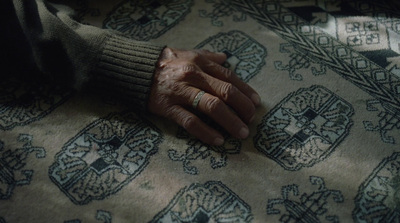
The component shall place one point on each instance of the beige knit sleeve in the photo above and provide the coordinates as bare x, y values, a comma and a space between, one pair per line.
126, 67
86, 56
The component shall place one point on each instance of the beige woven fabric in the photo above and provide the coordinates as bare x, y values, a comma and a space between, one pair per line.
324, 146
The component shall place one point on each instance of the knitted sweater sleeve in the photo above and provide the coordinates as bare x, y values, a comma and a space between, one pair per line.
86, 56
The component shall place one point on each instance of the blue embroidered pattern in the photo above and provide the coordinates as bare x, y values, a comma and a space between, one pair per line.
378, 197
341, 55
209, 202
22, 103
103, 216
308, 207
145, 20
221, 9
104, 157
304, 128
245, 56
197, 150
12, 164
297, 62
387, 124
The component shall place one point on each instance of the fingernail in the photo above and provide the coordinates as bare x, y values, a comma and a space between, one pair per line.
256, 99
218, 141
221, 53
244, 132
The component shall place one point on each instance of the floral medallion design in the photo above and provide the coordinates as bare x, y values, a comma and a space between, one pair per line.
209, 202
12, 165
245, 56
304, 128
378, 198
104, 157
196, 149
313, 207
23, 103
145, 20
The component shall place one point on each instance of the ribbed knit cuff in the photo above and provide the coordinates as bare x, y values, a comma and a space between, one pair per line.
126, 68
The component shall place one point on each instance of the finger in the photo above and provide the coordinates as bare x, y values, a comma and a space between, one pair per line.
229, 94
221, 114
227, 75
218, 58
195, 126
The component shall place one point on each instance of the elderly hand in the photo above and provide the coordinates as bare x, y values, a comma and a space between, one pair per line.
179, 78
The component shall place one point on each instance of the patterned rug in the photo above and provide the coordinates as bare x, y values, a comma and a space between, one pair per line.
324, 146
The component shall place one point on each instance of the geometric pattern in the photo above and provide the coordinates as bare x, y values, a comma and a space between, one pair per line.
104, 157
354, 40
338, 56
378, 197
221, 9
310, 207
101, 215
245, 56
387, 124
304, 128
297, 61
209, 202
380, 12
12, 163
22, 103
104, 216
145, 20
196, 150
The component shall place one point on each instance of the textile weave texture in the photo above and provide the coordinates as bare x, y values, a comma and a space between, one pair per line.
324, 146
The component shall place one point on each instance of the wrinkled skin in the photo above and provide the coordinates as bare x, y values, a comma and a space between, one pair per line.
180, 75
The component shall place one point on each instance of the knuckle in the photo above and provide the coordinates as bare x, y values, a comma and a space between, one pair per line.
227, 91
214, 104
227, 73
169, 112
184, 92
197, 56
188, 70
189, 67
176, 87
188, 122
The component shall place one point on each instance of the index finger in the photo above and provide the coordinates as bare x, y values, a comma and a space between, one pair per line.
218, 71
216, 57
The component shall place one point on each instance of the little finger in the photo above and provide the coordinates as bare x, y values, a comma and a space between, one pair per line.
216, 109
195, 126
227, 75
